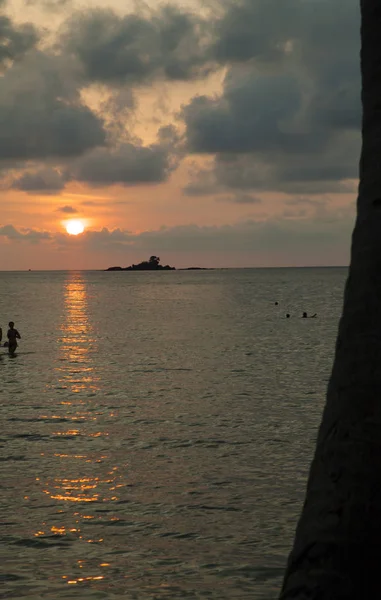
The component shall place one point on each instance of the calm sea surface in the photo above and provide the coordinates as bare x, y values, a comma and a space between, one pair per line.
157, 429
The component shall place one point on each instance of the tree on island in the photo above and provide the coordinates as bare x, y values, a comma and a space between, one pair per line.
154, 261
338, 537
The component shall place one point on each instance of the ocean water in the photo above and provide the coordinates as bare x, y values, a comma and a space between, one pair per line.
157, 429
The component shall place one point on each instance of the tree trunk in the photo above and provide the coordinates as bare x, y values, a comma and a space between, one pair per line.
338, 537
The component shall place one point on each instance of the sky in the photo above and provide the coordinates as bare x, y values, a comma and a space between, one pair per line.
219, 133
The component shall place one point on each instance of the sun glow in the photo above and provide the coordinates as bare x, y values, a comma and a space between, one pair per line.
74, 227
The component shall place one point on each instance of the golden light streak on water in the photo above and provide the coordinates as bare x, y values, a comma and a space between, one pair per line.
76, 370
83, 579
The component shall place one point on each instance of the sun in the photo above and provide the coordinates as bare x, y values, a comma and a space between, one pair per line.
75, 227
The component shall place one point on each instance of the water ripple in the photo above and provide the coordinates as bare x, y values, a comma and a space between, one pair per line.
157, 446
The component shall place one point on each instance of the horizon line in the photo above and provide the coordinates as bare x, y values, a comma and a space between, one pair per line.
176, 269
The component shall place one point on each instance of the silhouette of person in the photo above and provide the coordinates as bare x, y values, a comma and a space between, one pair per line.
305, 316
12, 335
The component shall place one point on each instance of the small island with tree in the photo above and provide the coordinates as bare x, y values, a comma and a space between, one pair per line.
153, 264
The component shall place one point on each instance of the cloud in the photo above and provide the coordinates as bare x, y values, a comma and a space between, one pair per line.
202, 181
51, 5
254, 29
250, 117
270, 132
240, 198
269, 32
102, 240
68, 210
167, 43
319, 235
331, 171
32, 236
130, 163
45, 180
245, 173
41, 111
298, 238
323, 236
43, 117
290, 112
15, 40
287, 119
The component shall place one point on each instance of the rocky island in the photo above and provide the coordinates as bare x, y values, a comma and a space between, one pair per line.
153, 264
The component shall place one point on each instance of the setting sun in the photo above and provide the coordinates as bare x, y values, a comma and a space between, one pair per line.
75, 227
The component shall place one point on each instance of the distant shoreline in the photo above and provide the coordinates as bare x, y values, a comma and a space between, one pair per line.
117, 269
137, 268
97, 270
153, 264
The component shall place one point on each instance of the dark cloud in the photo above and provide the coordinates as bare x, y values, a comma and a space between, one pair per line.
333, 171
68, 210
320, 33
263, 114
305, 201
127, 164
287, 119
130, 163
239, 198
167, 42
41, 111
254, 29
32, 236
250, 117
300, 173
15, 40
45, 180
105, 239
109, 238
290, 112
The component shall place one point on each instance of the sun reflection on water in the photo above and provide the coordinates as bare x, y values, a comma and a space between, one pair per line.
78, 341
89, 488
81, 486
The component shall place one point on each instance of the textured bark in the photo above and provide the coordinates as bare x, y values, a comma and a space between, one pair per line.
338, 537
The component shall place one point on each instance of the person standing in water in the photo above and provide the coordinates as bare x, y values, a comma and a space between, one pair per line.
13, 335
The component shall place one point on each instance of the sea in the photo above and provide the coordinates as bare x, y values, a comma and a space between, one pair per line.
157, 429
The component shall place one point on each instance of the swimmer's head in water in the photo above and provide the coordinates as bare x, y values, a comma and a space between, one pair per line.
287, 316
304, 315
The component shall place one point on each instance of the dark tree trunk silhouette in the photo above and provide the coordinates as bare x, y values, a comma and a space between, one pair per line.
338, 537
